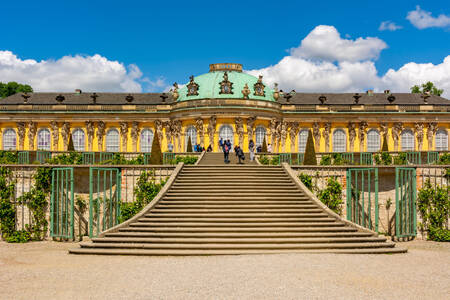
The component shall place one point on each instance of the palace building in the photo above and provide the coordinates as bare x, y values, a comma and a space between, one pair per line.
230, 104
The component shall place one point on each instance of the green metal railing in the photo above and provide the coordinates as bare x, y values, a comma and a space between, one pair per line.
88, 158
43, 156
61, 203
300, 158
362, 197
285, 158
104, 156
23, 157
414, 158
348, 157
104, 199
366, 158
147, 158
168, 158
432, 157
405, 202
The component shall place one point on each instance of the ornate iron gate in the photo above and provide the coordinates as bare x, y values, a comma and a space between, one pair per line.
405, 202
104, 199
362, 197
61, 203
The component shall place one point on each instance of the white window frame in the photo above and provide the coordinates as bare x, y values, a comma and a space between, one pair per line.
190, 131
112, 141
260, 133
9, 139
147, 136
408, 140
337, 147
79, 144
302, 139
441, 140
225, 136
374, 140
44, 139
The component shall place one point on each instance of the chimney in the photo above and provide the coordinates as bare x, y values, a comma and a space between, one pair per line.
78, 91
369, 92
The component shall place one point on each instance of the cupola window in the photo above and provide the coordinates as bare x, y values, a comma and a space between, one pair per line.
192, 87
259, 87
226, 87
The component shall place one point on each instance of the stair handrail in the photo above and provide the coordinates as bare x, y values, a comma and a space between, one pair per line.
149, 206
200, 158
313, 197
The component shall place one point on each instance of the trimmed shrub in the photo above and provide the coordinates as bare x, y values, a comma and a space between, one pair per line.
156, 157
264, 145
310, 152
385, 147
189, 145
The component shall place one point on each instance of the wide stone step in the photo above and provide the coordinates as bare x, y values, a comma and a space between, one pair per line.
236, 185
233, 193
232, 210
240, 240
236, 190
195, 203
237, 234
221, 177
175, 246
181, 252
197, 228
169, 205
230, 181
209, 214
217, 219
238, 198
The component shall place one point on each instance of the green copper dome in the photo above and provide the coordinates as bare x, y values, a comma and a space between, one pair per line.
209, 86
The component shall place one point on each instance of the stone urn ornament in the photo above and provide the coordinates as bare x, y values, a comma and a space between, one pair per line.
276, 93
175, 94
245, 91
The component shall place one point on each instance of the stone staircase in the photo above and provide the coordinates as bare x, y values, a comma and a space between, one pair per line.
211, 158
235, 209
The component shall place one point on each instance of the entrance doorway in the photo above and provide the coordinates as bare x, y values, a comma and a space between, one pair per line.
226, 133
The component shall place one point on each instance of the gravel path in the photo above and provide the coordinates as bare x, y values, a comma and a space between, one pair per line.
44, 270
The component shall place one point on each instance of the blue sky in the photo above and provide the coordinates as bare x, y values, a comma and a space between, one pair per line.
171, 40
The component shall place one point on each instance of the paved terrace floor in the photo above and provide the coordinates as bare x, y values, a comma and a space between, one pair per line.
45, 270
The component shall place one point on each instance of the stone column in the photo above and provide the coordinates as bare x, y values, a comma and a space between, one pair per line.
124, 135
240, 130
212, 130
431, 130
200, 130
418, 128
396, 130
250, 128
293, 130
90, 133
21, 133
65, 134
159, 130
168, 130
135, 135
100, 134
31, 134
272, 133
351, 135
362, 134
55, 135
283, 135
326, 135
316, 134
176, 134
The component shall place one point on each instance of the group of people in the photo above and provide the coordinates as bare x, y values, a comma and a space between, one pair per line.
225, 146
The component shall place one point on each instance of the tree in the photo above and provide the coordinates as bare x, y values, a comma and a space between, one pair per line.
310, 152
189, 145
156, 155
12, 87
264, 145
70, 146
385, 147
428, 87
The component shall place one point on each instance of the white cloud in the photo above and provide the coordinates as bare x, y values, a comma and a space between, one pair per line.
89, 73
388, 25
325, 43
351, 75
422, 19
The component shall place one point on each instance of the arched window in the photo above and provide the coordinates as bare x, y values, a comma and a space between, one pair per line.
78, 138
407, 137
339, 141
43, 139
9, 139
226, 133
146, 140
112, 140
441, 140
192, 133
302, 139
373, 140
260, 133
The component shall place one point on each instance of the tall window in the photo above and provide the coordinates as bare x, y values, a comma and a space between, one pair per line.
192, 133
407, 137
9, 139
339, 141
226, 133
302, 139
146, 140
78, 138
260, 133
43, 139
112, 140
373, 140
441, 140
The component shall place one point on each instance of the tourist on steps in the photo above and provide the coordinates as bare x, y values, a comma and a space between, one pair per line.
221, 144
226, 151
251, 148
240, 155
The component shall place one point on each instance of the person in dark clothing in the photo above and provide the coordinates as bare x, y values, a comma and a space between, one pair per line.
209, 148
221, 143
240, 154
226, 151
